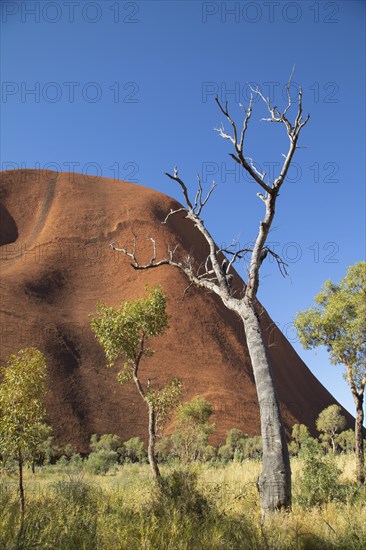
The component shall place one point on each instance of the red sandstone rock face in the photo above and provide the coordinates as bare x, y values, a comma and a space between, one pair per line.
56, 264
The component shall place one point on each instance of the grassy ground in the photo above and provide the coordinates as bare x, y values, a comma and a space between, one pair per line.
122, 511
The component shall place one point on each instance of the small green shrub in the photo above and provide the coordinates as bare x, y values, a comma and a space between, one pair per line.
100, 462
319, 480
177, 493
134, 450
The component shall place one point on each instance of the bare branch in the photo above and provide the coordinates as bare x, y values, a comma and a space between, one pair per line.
186, 290
183, 186
246, 120
238, 255
239, 157
172, 212
288, 91
198, 205
281, 264
262, 176
202, 204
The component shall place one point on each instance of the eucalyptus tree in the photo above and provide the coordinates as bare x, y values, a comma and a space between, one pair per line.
215, 275
22, 411
124, 333
330, 422
192, 428
338, 322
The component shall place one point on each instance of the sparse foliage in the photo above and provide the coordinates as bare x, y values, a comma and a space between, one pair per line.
192, 429
105, 442
100, 462
22, 411
319, 480
299, 434
330, 422
338, 322
124, 333
134, 450
346, 441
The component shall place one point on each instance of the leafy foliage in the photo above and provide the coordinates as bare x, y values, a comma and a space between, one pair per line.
299, 434
100, 462
105, 442
134, 450
124, 331
346, 441
192, 429
319, 480
338, 321
22, 411
164, 401
106, 451
330, 421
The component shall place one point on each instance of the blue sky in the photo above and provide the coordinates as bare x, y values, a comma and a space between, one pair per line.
126, 89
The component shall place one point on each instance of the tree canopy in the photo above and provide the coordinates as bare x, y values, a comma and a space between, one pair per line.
21, 407
330, 422
124, 331
338, 321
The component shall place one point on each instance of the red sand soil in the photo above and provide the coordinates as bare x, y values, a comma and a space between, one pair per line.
56, 264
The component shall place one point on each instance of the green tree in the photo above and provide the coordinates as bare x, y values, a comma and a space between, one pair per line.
319, 479
299, 434
163, 447
21, 408
338, 321
253, 447
225, 453
346, 441
192, 429
41, 449
106, 450
100, 462
234, 445
124, 333
105, 442
134, 449
330, 422
235, 438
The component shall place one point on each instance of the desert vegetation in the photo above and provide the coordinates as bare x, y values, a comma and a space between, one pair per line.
179, 492
109, 499
207, 495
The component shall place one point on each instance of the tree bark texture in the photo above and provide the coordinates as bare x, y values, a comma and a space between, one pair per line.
274, 482
151, 447
360, 458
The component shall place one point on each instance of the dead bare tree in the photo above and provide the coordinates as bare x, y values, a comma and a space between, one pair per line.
274, 483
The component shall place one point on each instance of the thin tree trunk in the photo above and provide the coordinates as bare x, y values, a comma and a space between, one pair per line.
274, 482
152, 433
151, 448
360, 459
21, 487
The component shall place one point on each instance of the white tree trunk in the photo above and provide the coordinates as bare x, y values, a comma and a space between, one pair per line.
274, 483
275, 480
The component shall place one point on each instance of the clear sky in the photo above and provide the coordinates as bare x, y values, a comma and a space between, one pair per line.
126, 89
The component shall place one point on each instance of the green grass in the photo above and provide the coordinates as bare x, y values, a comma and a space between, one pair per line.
121, 511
